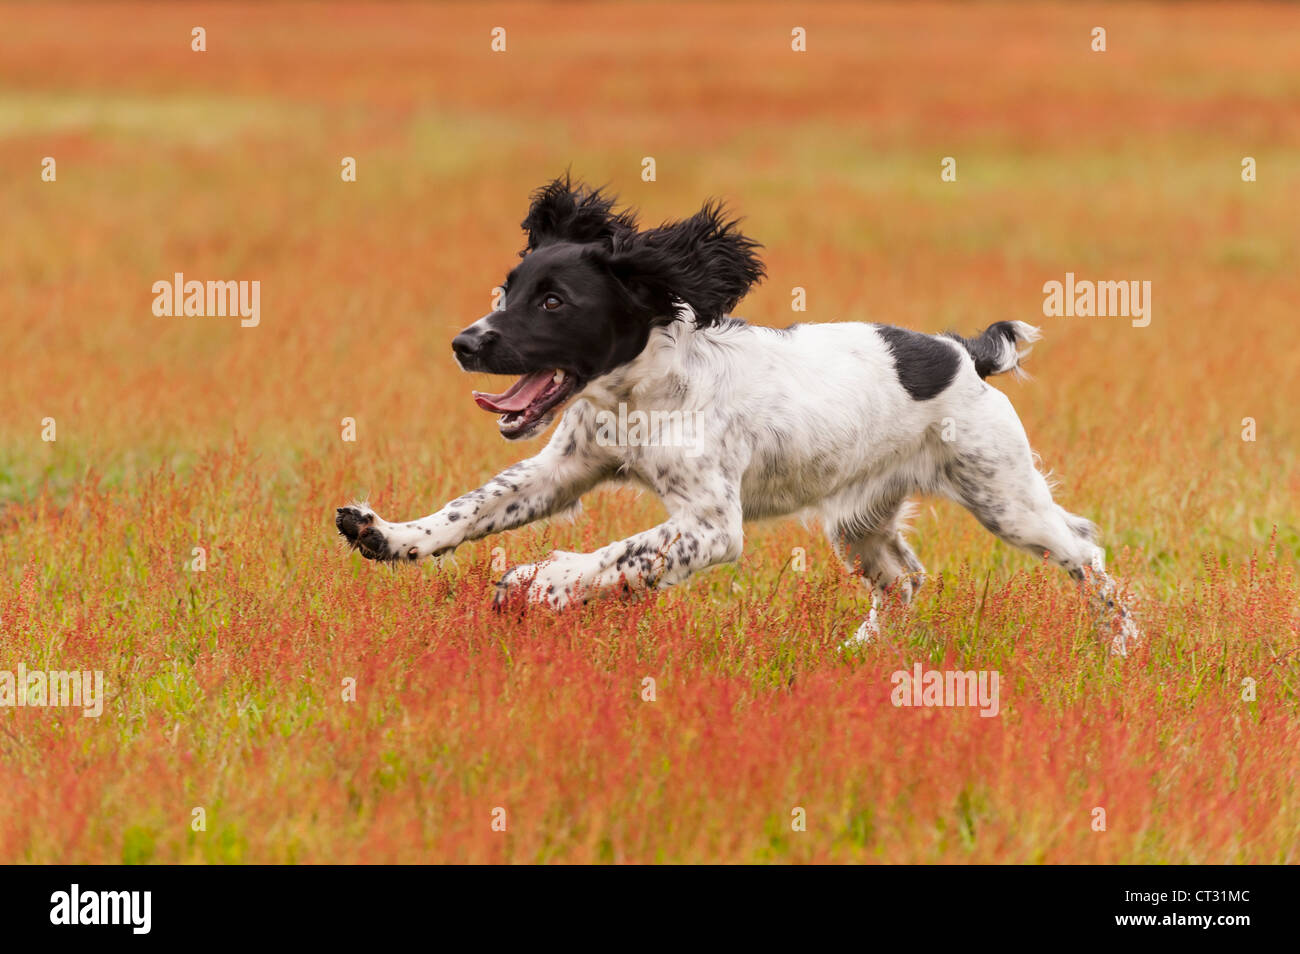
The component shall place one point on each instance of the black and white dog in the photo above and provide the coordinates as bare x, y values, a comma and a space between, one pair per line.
729, 421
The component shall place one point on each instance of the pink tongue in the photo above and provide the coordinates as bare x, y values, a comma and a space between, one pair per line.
523, 393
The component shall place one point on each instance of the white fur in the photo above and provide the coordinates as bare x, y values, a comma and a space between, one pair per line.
810, 421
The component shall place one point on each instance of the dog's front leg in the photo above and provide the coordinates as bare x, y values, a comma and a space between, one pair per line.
539, 487
706, 531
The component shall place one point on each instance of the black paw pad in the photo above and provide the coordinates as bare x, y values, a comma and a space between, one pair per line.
373, 544
351, 522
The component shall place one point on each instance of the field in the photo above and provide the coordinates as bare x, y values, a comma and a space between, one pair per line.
319, 708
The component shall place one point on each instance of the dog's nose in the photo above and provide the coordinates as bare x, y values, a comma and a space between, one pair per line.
471, 341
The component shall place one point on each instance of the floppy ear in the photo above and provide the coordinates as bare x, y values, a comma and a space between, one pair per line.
704, 261
564, 212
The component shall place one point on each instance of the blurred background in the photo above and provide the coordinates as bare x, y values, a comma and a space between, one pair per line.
225, 164
177, 433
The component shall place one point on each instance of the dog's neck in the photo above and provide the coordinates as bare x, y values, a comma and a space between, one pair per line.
659, 376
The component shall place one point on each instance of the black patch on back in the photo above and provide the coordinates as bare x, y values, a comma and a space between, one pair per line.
924, 364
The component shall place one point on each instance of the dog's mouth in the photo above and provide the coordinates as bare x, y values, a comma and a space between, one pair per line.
528, 400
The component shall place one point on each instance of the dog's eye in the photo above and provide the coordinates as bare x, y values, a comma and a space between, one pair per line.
551, 302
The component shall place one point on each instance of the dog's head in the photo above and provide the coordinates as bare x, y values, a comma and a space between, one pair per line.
589, 290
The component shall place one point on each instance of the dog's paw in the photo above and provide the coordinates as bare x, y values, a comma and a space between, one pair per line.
359, 525
405, 542
1127, 635
867, 633
556, 583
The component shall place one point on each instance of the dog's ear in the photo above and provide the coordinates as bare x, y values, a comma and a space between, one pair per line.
704, 261
563, 211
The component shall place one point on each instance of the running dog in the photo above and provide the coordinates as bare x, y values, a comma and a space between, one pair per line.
841, 421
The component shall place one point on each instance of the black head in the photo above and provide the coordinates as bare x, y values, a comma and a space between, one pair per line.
588, 292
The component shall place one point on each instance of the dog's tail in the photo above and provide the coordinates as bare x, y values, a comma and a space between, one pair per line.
994, 349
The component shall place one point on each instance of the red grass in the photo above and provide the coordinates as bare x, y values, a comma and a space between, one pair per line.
225, 686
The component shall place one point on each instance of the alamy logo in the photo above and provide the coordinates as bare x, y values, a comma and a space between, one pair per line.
948, 687
1089, 299
194, 299
639, 428
103, 907
53, 688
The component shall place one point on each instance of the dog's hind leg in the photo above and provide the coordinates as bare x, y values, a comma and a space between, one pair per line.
991, 472
870, 543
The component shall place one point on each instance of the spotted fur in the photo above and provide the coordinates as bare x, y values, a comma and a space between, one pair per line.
840, 422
